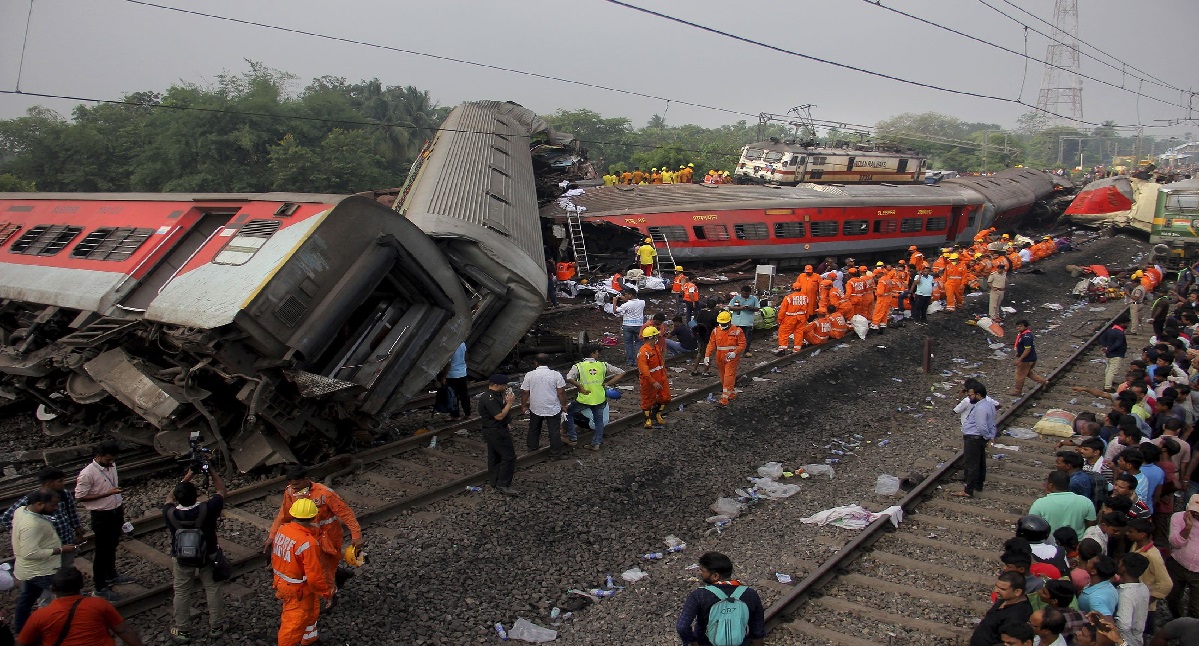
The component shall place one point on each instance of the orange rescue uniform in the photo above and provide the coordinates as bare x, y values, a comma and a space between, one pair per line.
884, 300
680, 279
818, 331
722, 342
839, 326
651, 366
332, 514
856, 294
793, 315
955, 285
299, 581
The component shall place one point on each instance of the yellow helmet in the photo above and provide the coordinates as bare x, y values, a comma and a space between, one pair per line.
649, 239
678, 268
945, 254
303, 509
681, 167
1138, 273
954, 256
878, 264
353, 557
690, 165
649, 331
724, 317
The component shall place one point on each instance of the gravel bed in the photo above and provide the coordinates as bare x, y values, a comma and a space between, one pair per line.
444, 575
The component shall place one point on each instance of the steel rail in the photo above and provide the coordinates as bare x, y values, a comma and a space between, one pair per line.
779, 611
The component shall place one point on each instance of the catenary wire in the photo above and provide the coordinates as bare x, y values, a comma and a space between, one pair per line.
24, 42
1027, 57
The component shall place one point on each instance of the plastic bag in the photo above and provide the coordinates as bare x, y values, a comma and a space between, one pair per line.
1056, 422
990, 326
1021, 433
633, 575
886, 485
730, 507
818, 470
860, 325
6, 578
772, 470
935, 307
768, 488
527, 631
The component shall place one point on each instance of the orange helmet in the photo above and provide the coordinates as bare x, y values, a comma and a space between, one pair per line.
912, 248
807, 269
826, 283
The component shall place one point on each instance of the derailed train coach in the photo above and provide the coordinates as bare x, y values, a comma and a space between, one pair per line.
276, 326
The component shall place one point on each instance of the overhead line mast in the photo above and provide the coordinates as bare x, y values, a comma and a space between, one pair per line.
1061, 87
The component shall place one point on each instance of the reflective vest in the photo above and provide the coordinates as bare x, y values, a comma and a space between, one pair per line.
592, 375
679, 280
295, 560
691, 292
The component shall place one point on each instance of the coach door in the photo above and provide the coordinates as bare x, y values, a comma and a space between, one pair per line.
199, 233
955, 224
902, 167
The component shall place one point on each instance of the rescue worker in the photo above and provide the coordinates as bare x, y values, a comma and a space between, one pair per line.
727, 343
955, 283
902, 278
940, 263
667, 176
654, 176
916, 261
690, 173
690, 300
299, 576
839, 326
885, 292
617, 283
808, 283
655, 385
825, 295
1013, 259
676, 287
333, 516
856, 292
646, 254
793, 318
818, 331
638, 176
610, 179
626, 177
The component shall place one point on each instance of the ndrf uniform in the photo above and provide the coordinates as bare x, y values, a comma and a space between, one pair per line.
299, 582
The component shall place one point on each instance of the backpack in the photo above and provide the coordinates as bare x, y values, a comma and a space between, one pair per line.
766, 318
189, 546
728, 619
446, 401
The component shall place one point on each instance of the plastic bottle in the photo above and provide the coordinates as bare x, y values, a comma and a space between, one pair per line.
884, 442
652, 556
602, 593
837, 452
677, 548
433, 442
471, 489
711, 397
831, 460
499, 628
609, 583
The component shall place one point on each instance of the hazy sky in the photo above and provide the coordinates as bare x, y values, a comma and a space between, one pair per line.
104, 48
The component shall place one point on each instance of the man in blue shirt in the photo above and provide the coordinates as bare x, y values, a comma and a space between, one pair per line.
1101, 596
716, 570
978, 428
922, 294
743, 306
1154, 475
1115, 346
454, 377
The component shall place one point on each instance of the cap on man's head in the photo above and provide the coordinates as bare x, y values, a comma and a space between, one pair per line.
498, 378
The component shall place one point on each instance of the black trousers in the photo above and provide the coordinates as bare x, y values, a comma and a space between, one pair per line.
106, 525
553, 424
459, 386
920, 307
975, 462
501, 456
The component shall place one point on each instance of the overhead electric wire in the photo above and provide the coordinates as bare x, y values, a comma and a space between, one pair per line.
1124, 66
817, 59
880, 5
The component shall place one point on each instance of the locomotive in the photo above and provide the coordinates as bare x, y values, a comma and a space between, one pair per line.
278, 326
789, 163
729, 222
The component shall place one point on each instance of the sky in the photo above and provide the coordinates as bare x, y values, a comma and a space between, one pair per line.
105, 48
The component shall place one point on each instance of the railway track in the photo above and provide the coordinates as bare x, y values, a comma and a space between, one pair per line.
381, 483
928, 581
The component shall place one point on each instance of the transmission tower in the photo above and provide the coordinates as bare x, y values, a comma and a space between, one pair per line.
1061, 88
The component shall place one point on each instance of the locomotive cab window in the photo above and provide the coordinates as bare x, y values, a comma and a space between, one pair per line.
1183, 202
788, 229
111, 243
772, 156
45, 239
885, 226
855, 227
246, 241
711, 232
751, 231
753, 154
936, 224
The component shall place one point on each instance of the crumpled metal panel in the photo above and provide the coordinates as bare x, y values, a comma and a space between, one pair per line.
313, 385
156, 401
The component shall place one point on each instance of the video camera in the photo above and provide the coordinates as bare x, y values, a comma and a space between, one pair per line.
197, 455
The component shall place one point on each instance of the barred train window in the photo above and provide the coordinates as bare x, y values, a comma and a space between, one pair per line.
45, 239
788, 229
111, 243
885, 226
670, 233
751, 231
855, 227
936, 224
824, 229
911, 225
246, 242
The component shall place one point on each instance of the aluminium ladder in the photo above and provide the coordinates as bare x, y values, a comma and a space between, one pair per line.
665, 263
574, 227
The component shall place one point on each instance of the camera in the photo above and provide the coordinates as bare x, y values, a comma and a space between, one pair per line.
197, 455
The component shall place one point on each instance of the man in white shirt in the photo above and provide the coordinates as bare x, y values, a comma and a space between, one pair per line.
632, 317
1049, 624
543, 398
98, 490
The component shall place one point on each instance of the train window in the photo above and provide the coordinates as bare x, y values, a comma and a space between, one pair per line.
45, 239
772, 156
824, 229
855, 227
245, 242
788, 229
711, 232
911, 225
885, 226
753, 154
751, 231
1180, 202
816, 173
971, 219
6, 231
819, 160
111, 243
936, 224
671, 233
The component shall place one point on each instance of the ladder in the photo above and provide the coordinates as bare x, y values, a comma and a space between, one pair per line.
666, 263
574, 227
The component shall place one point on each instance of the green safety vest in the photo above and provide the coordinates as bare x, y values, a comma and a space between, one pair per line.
591, 375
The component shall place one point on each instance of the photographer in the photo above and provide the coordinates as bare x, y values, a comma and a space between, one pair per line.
195, 550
